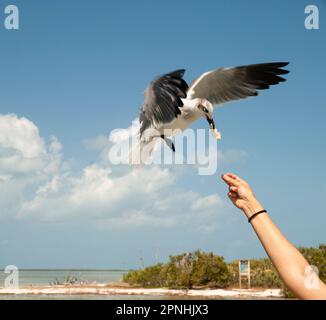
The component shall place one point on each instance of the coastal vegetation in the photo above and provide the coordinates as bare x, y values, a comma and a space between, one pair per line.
201, 269
186, 270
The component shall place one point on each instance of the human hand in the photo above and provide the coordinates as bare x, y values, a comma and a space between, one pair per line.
241, 194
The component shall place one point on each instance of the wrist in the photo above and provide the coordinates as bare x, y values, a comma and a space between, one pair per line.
252, 207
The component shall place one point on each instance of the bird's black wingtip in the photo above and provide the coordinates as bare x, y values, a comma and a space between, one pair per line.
177, 73
282, 64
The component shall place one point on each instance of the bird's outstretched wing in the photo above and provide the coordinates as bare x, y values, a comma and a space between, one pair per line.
227, 84
163, 100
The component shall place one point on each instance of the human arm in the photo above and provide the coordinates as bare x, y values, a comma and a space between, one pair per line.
289, 262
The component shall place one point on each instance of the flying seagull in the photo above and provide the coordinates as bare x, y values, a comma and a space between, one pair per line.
171, 106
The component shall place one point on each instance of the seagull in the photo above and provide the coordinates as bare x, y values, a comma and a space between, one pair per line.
170, 105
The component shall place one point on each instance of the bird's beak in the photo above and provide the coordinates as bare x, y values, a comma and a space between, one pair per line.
211, 122
212, 126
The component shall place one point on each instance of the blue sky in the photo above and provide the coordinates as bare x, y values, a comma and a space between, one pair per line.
76, 70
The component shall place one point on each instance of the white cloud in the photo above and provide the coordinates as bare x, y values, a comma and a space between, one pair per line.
5, 178
120, 135
141, 197
21, 135
208, 202
21, 147
98, 143
22, 150
103, 195
232, 156
26, 162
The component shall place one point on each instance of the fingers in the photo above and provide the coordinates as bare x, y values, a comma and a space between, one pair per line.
233, 189
232, 195
231, 179
236, 179
234, 176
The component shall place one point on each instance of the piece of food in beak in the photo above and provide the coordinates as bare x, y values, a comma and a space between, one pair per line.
217, 134
211, 123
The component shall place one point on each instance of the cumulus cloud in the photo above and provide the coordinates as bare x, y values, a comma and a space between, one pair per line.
26, 162
120, 135
21, 147
141, 197
98, 143
36, 184
231, 156
22, 150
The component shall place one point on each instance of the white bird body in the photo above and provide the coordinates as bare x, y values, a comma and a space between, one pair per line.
189, 114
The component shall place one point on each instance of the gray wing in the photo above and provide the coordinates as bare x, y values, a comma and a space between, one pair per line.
227, 84
163, 100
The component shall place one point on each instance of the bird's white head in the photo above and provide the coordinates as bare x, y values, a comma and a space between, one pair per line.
205, 110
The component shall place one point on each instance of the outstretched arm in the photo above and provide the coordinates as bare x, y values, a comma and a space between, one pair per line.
289, 262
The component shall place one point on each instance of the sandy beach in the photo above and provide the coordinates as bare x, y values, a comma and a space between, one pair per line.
110, 290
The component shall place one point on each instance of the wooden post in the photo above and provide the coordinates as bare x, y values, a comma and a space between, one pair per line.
249, 280
239, 274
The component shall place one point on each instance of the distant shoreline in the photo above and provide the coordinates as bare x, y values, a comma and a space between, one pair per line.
104, 289
70, 270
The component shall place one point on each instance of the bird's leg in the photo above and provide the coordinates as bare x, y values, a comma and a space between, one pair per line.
212, 126
169, 142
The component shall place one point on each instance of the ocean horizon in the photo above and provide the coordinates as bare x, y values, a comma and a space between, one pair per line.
44, 277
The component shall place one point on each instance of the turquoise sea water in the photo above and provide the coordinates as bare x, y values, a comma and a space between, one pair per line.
47, 277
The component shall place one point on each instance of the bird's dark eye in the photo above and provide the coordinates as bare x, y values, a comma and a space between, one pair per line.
204, 109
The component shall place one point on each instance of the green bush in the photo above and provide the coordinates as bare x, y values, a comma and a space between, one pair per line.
145, 277
183, 271
200, 269
263, 274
